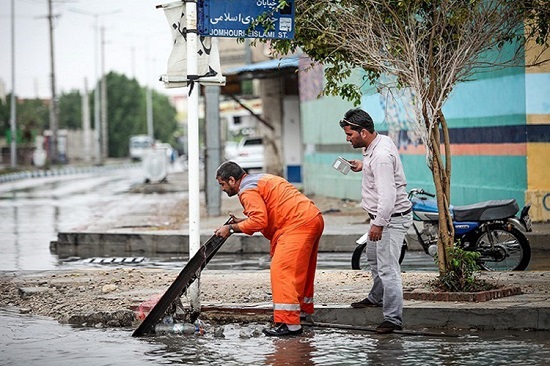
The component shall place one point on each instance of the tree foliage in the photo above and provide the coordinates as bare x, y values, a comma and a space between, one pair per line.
462, 274
126, 113
70, 110
426, 46
31, 114
4, 116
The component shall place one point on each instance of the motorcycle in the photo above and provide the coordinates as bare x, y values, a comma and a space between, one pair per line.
490, 228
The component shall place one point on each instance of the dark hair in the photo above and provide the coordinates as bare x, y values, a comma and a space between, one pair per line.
357, 119
229, 169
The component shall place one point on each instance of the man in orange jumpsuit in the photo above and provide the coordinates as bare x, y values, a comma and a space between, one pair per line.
293, 225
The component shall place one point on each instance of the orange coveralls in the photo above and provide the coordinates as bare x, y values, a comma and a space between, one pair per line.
293, 225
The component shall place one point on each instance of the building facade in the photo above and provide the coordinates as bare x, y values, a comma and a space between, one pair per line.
499, 126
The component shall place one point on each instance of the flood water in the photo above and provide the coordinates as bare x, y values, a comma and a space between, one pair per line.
32, 340
32, 214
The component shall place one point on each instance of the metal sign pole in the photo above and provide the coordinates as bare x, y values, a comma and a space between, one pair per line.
193, 143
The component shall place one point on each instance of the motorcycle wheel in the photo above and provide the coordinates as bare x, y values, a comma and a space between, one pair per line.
511, 250
359, 257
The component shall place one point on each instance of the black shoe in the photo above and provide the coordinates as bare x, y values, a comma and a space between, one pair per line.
281, 331
365, 303
387, 327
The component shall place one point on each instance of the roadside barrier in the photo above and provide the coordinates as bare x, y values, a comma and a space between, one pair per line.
69, 170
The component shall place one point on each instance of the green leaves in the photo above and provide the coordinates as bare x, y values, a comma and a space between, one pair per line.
424, 43
126, 110
461, 274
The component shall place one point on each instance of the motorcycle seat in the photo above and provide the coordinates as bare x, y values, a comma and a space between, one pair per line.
486, 211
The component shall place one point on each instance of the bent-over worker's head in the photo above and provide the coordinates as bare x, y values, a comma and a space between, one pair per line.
229, 175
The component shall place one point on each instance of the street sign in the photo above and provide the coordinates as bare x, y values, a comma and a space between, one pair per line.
235, 18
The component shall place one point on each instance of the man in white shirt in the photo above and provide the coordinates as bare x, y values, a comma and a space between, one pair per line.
384, 197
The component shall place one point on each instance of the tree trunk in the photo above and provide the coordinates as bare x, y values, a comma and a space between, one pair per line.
441, 172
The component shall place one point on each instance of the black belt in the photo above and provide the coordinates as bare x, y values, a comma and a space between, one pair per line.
394, 215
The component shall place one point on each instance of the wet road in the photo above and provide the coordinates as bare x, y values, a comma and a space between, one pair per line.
33, 211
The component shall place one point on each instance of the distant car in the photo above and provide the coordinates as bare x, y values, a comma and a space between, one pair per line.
139, 144
249, 153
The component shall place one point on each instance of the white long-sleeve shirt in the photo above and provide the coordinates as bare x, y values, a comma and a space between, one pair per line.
384, 186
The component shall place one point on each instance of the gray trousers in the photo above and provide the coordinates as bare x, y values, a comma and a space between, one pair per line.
383, 259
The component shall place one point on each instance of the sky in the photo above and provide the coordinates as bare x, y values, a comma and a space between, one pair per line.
137, 43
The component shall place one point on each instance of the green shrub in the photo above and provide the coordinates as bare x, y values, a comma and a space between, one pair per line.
462, 273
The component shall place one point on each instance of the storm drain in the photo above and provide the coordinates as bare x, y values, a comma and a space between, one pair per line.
115, 260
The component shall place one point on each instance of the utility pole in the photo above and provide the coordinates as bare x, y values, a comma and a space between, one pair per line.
86, 122
13, 111
53, 102
149, 104
104, 124
213, 149
98, 110
97, 103
149, 100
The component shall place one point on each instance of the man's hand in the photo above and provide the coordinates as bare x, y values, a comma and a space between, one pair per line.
234, 219
375, 232
356, 165
222, 231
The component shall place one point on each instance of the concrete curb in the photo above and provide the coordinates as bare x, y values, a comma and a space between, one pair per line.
519, 312
135, 243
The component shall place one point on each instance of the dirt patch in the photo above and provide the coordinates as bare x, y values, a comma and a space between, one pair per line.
78, 296
425, 295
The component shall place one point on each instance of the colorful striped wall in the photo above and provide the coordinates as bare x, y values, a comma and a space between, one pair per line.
538, 141
500, 141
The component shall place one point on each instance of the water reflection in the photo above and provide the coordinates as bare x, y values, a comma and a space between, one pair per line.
385, 348
23, 231
32, 212
293, 351
33, 340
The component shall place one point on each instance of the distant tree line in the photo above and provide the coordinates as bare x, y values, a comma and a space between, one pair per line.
126, 114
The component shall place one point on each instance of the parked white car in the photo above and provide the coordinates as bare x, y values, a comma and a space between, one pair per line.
230, 149
249, 153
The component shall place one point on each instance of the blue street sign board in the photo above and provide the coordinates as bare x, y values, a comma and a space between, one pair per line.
234, 18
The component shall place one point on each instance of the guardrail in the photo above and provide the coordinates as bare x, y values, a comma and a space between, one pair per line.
68, 170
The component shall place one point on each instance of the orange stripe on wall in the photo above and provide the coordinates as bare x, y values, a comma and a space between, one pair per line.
538, 119
473, 149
